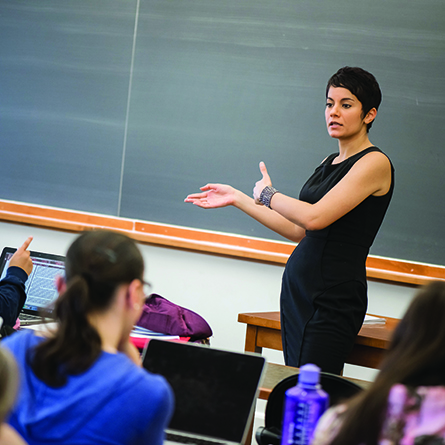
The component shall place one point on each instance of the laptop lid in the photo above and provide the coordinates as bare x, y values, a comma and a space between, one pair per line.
215, 390
40, 287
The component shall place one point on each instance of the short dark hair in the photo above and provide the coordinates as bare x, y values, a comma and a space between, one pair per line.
361, 84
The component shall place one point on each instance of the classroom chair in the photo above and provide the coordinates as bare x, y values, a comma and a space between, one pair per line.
336, 386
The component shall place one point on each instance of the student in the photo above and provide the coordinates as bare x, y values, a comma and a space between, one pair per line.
8, 391
83, 383
335, 220
406, 403
12, 287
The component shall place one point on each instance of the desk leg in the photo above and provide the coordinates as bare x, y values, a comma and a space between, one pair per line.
251, 346
251, 340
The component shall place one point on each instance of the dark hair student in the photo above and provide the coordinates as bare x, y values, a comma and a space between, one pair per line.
335, 220
406, 402
77, 379
96, 265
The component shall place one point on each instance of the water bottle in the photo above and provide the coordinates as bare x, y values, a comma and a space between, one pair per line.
304, 404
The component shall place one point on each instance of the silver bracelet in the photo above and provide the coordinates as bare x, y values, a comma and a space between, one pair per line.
266, 195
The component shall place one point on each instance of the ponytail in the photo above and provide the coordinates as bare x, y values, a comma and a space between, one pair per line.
97, 263
77, 344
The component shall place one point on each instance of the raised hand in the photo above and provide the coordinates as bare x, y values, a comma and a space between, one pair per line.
263, 182
213, 196
21, 257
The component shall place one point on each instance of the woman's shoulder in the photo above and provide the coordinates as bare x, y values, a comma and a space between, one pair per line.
137, 386
374, 153
374, 163
131, 375
155, 384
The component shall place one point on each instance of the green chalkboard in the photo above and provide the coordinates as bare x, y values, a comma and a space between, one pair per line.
123, 107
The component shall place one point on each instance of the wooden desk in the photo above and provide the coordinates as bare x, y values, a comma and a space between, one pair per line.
264, 331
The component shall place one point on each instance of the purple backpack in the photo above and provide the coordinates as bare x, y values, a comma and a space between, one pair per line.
161, 315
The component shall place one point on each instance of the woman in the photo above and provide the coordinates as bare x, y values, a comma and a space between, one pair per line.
8, 391
83, 384
406, 403
335, 220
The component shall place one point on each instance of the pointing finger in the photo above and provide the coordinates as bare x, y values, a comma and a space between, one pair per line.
26, 244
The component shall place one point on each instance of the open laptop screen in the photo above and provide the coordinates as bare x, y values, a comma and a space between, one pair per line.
214, 389
40, 287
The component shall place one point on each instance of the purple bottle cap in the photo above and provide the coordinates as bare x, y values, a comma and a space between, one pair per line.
309, 374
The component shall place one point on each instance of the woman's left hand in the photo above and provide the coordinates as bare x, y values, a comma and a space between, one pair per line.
264, 182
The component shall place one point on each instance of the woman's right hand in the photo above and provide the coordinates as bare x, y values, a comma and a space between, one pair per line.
213, 196
22, 257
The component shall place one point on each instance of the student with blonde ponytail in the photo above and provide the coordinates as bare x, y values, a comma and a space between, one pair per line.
8, 391
83, 384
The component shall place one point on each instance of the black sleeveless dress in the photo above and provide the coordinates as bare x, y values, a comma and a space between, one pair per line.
324, 289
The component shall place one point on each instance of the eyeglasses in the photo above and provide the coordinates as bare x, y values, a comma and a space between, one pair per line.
146, 287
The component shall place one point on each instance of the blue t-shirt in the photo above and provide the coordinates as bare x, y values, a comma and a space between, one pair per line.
113, 402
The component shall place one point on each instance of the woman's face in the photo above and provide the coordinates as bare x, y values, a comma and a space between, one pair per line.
344, 114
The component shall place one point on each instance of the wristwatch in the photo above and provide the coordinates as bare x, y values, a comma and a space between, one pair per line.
266, 195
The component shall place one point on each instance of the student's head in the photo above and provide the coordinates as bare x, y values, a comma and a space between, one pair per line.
102, 269
418, 342
416, 357
361, 84
97, 262
8, 382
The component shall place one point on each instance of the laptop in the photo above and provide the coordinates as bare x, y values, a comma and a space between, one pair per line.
214, 390
40, 287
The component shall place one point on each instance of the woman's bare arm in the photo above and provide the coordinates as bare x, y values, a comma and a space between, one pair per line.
371, 175
220, 195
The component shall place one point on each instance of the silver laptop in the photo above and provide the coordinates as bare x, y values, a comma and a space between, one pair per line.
215, 390
40, 287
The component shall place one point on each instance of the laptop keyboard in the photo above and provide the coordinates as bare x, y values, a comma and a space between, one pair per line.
195, 440
27, 319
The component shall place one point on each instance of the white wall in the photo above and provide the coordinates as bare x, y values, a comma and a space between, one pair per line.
217, 288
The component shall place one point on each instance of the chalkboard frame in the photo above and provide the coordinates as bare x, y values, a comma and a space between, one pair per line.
205, 242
